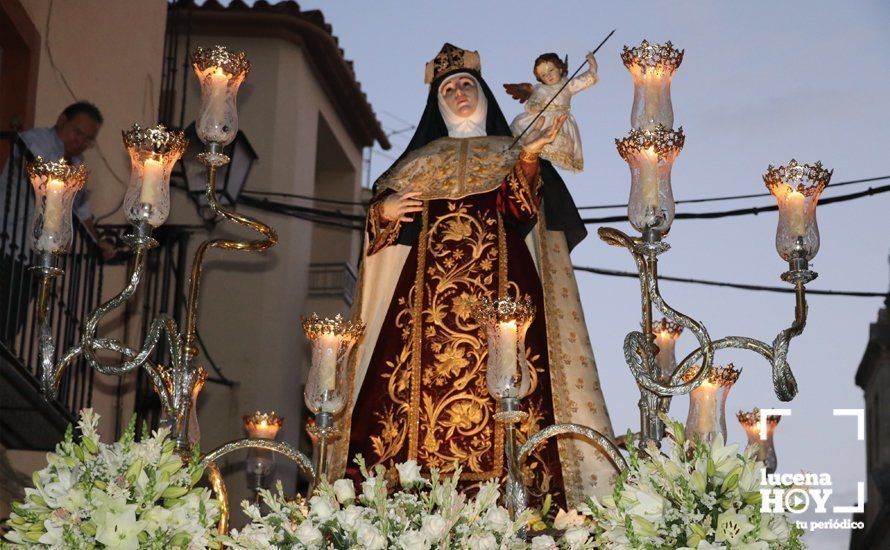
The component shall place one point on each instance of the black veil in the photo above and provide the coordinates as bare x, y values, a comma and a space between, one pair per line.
559, 207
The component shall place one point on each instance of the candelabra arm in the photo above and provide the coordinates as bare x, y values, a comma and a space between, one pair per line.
222, 496
51, 374
46, 345
603, 443
776, 354
639, 349
213, 158
219, 485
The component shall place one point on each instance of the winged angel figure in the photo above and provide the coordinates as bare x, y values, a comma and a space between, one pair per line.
551, 73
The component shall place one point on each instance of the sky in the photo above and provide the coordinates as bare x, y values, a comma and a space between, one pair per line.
761, 83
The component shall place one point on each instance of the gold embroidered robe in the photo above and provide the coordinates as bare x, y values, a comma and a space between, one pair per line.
418, 376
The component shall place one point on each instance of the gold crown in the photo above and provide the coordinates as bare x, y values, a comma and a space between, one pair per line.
451, 58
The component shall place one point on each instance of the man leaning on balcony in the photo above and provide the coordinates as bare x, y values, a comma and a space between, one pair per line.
75, 131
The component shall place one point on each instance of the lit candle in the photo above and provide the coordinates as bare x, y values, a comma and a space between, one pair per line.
649, 178
665, 358
795, 208
706, 396
327, 368
152, 182
52, 213
651, 99
216, 110
265, 430
507, 345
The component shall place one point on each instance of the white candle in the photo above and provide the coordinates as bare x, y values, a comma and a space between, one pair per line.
52, 213
152, 182
795, 208
327, 368
665, 342
216, 110
706, 397
507, 346
649, 179
651, 98
263, 430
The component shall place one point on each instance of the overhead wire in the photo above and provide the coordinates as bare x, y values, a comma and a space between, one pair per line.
740, 286
745, 211
733, 197
356, 222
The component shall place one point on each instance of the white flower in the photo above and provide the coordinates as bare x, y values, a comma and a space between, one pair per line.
321, 508
444, 495
497, 519
482, 541
309, 534
774, 527
649, 505
344, 490
543, 542
575, 537
412, 540
156, 518
564, 520
118, 528
434, 527
369, 487
53, 536
369, 537
349, 518
724, 457
732, 526
409, 473
55, 485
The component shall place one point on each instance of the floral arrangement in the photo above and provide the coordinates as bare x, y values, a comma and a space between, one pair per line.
700, 496
423, 514
124, 495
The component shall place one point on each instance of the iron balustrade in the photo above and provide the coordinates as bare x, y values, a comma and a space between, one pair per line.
332, 279
75, 294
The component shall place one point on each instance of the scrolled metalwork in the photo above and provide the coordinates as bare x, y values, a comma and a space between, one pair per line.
606, 445
208, 461
639, 352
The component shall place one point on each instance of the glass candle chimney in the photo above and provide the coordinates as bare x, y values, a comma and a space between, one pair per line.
762, 440
261, 462
55, 185
797, 188
505, 323
153, 152
220, 73
652, 67
707, 403
331, 341
666, 335
650, 154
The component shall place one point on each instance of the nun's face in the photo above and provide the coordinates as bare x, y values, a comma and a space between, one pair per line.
461, 95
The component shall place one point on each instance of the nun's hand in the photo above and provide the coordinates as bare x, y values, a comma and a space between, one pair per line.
402, 205
538, 136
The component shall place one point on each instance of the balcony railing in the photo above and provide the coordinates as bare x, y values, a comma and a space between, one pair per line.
26, 421
332, 279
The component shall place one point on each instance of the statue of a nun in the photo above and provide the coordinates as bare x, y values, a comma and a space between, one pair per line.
460, 217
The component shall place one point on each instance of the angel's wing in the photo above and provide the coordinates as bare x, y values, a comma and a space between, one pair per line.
521, 91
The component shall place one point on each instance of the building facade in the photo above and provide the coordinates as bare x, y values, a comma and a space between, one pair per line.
873, 376
306, 119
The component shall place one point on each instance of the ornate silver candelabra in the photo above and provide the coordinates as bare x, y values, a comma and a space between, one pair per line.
153, 153
650, 150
